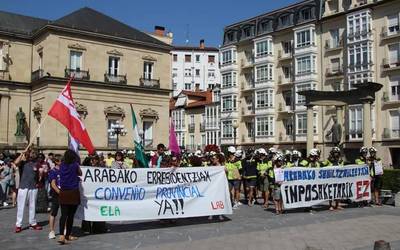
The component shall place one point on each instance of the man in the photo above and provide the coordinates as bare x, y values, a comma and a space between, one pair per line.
263, 167
50, 160
157, 158
313, 159
334, 159
250, 177
27, 188
295, 160
376, 172
363, 156
110, 159
336, 132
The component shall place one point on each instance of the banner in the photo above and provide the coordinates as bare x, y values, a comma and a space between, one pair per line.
305, 187
149, 193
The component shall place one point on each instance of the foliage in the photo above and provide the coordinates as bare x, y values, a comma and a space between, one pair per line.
391, 180
212, 147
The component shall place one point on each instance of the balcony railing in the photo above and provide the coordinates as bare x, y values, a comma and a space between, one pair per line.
332, 44
148, 143
4, 75
191, 128
77, 74
390, 32
212, 125
248, 111
334, 72
37, 74
150, 83
121, 79
282, 55
202, 127
386, 65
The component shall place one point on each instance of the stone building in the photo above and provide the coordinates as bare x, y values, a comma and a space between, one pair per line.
327, 45
113, 64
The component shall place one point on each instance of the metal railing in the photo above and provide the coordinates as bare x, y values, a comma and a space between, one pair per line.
333, 72
191, 128
115, 78
202, 127
4, 75
37, 74
77, 74
150, 83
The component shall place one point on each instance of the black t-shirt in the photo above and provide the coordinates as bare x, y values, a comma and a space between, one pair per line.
249, 167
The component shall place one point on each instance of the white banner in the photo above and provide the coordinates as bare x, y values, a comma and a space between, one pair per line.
305, 187
149, 193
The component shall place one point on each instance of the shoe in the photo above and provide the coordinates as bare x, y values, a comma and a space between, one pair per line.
72, 238
235, 206
210, 217
239, 203
5, 204
52, 235
35, 227
18, 229
61, 240
220, 217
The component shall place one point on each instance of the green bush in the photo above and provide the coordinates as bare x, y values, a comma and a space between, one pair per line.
391, 180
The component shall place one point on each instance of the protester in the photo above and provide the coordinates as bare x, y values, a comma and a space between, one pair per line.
250, 173
376, 172
54, 180
42, 199
312, 161
157, 157
363, 156
69, 195
27, 163
334, 159
215, 161
234, 177
50, 160
6, 173
263, 166
295, 159
119, 161
110, 159
278, 162
128, 160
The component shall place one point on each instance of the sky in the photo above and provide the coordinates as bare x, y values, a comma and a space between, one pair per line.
186, 19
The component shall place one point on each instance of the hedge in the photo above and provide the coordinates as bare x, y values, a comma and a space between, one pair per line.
391, 180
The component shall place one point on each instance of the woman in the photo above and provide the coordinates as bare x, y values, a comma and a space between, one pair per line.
119, 161
54, 180
276, 183
215, 162
43, 168
69, 196
233, 175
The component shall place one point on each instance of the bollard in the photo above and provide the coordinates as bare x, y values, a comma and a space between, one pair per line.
381, 245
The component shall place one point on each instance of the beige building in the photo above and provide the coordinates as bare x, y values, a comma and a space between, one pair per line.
322, 45
114, 66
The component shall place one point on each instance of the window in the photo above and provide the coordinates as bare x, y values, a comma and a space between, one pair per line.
335, 65
197, 72
113, 66
264, 73
305, 14
211, 59
211, 73
175, 56
247, 31
191, 119
75, 62
394, 53
188, 58
174, 72
304, 38
178, 116
197, 58
148, 70
358, 25
148, 133
264, 48
393, 24
250, 129
174, 86
188, 72
228, 56
359, 78
359, 57
265, 98
300, 99
395, 88
227, 129
301, 123
265, 26
287, 97
285, 20
335, 39
286, 71
305, 65
40, 59
228, 79
203, 140
229, 103
288, 124
265, 126
287, 47
188, 86
356, 120
395, 123
112, 139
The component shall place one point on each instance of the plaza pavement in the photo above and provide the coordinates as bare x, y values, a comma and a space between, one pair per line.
248, 228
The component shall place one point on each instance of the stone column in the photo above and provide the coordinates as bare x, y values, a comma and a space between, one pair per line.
367, 130
4, 122
310, 128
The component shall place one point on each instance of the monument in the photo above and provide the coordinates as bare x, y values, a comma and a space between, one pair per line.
20, 134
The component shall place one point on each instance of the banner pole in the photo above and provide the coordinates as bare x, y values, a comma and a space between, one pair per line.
36, 133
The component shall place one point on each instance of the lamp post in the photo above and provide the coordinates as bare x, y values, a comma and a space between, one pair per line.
117, 129
235, 125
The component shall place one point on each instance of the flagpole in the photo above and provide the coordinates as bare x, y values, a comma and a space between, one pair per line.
36, 133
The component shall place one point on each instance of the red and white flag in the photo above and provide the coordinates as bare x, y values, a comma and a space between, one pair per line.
64, 111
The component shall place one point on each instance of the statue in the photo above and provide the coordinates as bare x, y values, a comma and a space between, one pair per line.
336, 131
21, 121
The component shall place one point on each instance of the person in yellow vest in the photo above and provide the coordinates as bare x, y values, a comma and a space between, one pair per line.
294, 160
128, 161
278, 162
110, 159
312, 161
362, 160
234, 177
263, 167
334, 159
376, 172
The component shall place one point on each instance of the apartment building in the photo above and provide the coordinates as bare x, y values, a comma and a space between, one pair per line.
113, 64
321, 45
194, 68
196, 118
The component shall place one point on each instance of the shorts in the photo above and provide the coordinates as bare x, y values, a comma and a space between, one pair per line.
234, 184
263, 184
376, 183
54, 206
252, 182
276, 194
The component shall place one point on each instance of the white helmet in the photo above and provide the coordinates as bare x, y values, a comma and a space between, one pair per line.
212, 153
262, 151
152, 153
272, 150
288, 152
314, 152
231, 149
373, 150
198, 153
278, 157
238, 153
295, 152
168, 153
364, 149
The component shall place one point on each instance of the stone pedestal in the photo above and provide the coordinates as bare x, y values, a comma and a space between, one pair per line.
397, 200
20, 139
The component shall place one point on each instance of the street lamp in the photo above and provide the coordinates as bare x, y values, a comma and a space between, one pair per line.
117, 129
235, 125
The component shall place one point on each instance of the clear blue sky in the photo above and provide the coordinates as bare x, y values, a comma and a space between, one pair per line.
200, 18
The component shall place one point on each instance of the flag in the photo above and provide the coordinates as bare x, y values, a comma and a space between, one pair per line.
173, 142
137, 141
64, 111
73, 144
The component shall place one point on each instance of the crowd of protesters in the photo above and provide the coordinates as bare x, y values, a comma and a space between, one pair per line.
52, 183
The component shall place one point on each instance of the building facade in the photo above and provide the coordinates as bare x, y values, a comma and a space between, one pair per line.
322, 45
114, 65
194, 68
195, 115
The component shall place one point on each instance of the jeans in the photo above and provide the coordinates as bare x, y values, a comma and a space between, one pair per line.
67, 219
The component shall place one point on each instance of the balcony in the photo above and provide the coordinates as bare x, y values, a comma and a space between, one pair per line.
212, 125
333, 45
4, 75
390, 66
248, 85
77, 74
283, 108
120, 79
391, 32
202, 127
191, 147
247, 63
284, 81
248, 139
191, 127
333, 73
282, 55
390, 134
309, 48
248, 111
150, 83
37, 74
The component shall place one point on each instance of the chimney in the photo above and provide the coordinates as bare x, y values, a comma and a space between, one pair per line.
202, 46
159, 30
